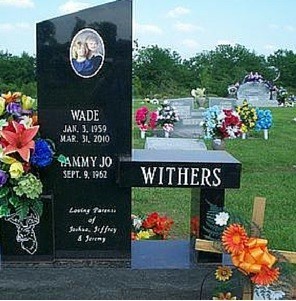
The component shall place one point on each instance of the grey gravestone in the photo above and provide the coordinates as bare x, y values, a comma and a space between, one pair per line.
256, 93
190, 119
223, 103
174, 144
184, 106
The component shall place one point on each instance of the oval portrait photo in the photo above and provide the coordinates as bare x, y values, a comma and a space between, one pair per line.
87, 53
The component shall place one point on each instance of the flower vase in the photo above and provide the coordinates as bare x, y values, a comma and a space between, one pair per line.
143, 133
244, 135
201, 102
166, 134
218, 144
265, 133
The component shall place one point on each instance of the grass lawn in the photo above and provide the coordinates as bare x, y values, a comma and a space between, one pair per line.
268, 170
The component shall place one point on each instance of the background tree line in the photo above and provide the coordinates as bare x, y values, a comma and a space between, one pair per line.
18, 73
162, 72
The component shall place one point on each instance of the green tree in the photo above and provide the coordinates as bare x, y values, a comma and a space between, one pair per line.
285, 62
217, 69
160, 71
17, 73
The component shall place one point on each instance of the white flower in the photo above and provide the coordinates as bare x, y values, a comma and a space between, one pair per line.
26, 121
3, 123
221, 218
193, 93
137, 223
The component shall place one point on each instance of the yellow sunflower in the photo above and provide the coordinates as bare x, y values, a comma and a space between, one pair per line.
223, 273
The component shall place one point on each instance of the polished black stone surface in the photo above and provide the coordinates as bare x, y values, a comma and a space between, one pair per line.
180, 168
89, 121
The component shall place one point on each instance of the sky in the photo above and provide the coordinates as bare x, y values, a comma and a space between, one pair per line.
185, 26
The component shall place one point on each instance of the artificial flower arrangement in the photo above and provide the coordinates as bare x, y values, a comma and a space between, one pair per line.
248, 116
145, 120
199, 95
198, 92
22, 153
264, 121
167, 117
154, 226
251, 258
221, 123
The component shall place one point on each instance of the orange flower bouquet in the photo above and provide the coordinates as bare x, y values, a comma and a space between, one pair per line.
154, 226
249, 254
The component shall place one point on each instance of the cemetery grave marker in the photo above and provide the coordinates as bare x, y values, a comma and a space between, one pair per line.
86, 110
190, 118
256, 93
223, 103
83, 110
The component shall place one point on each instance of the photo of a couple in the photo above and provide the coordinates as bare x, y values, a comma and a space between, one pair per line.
87, 53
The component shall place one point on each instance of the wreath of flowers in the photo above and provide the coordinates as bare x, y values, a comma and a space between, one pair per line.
221, 123
154, 226
22, 154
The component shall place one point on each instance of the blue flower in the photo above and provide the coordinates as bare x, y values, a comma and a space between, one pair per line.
264, 120
43, 154
14, 108
3, 177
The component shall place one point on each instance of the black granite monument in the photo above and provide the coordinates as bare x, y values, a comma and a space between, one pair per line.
84, 92
84, 71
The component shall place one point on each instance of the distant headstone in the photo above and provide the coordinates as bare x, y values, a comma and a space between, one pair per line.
184, 106
85, 108
190, 118
174, 144
253, 91
256, 93
223, 103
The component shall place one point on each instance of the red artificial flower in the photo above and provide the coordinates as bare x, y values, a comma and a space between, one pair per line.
160, 225
234, 239
194, 225
163, 226
153, 120
19, 140
133, 236
141, 116
266, 276
150, 220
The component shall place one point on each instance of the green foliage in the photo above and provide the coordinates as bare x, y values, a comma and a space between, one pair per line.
159, 71
162, 71
17, 73
28, 186
213, 231
12, 203
285, 61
